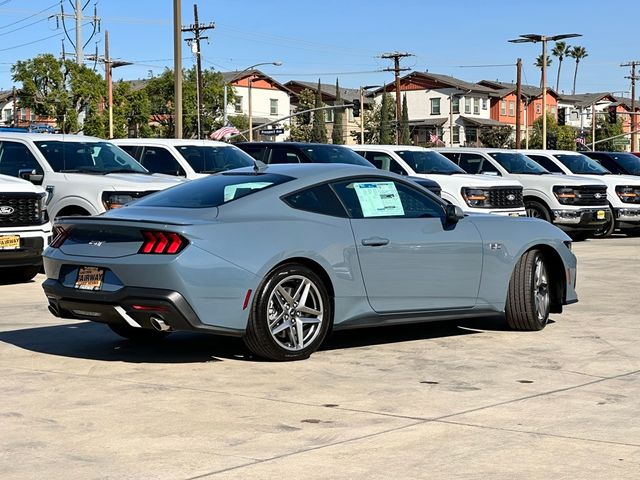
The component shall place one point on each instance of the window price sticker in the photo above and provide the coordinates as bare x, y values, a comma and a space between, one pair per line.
379, 199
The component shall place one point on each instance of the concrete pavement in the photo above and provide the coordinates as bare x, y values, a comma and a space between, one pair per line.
467, 400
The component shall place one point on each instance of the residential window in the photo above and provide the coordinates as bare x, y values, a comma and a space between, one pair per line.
503, 107
456, 134
273, 110
538, 109
455, 104
23, 114
484, 103
328, 116
435, 106
476, 106
238, 105
575, 116
8, 113
467, 105
471, 135
553, 110
32, 115
512, 109
350, 117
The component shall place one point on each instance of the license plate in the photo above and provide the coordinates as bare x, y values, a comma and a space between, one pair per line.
10, 242
600, 215
90, 278
514, 214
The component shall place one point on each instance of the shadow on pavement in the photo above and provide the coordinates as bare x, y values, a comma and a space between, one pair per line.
96, 342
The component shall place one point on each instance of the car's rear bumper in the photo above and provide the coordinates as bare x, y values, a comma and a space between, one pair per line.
28, 254
130, 305
581, 220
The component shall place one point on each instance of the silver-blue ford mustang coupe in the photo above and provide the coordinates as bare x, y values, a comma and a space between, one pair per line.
282, 255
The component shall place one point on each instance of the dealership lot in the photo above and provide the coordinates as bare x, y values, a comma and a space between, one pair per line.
442, 400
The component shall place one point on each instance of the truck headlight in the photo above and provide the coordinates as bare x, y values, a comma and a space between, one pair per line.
41, 212
565, 195
112, 200
476, 197
628, 194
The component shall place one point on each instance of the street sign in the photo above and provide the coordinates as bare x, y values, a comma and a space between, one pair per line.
271, 131
621, 141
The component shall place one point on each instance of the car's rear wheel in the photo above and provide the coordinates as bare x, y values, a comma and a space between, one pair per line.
537, 210
290, 316
529, 295
142, 335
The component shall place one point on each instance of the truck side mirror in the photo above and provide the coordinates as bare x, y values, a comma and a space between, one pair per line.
31, 176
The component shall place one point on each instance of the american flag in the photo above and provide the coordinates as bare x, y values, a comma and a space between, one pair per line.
434, 138
581, 140
223, 132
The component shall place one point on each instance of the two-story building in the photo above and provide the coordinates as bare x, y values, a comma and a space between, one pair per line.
261, 97
13, 115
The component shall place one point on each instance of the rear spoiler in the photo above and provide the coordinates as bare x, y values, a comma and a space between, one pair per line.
101, 219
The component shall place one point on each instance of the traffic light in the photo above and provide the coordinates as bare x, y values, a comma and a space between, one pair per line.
356, 108
562, 116
613, 114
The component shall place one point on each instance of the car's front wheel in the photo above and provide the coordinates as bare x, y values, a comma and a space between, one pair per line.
290, 316
529, 295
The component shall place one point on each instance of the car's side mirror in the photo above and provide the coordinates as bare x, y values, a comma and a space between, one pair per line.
31, 176
453, 213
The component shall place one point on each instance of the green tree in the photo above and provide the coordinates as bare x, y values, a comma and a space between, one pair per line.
406, 134
566, 139
301, 124
535, 141
58, 89
371, 120
496, 137
338, 126
604, 129
387, 116
318, 131
577, 53
560, 50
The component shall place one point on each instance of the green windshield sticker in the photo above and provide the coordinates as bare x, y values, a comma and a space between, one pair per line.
242, 189
379, 199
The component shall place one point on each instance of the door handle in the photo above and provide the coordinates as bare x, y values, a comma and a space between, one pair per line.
375, 241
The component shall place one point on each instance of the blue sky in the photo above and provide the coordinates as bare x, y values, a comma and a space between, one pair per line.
342, 39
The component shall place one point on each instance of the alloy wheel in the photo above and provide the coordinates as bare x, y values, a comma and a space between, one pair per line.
541, 290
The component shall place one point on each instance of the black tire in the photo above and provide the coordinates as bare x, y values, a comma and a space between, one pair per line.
18, 274
526, 307
606, 230
142, 335
271, 306
537, 210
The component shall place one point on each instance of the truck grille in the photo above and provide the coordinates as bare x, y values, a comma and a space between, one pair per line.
510, 197
591, 195
19, 209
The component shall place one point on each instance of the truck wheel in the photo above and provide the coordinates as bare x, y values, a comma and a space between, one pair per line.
529, 295
606, 230
537, 210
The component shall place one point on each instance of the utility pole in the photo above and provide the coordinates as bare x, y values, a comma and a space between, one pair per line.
177, 68
79, 18
518, 99
633, 79
197, 28
396, 56
108, 78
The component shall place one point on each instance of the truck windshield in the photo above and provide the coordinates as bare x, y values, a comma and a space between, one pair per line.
628, 162
99, 158
334, 154
214, 159
429, 162
581, 164
518, 164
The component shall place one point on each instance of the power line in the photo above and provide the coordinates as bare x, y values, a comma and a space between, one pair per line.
30, 16
36, 41
23, 27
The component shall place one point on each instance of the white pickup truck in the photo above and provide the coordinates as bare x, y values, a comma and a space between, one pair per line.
576, 204
472, 193
24, 229
81, 175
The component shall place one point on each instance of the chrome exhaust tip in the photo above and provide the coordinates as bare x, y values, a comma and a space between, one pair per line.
159, 324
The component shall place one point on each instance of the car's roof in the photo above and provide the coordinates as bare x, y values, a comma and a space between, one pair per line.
288, 144
170, 141
550, 152
319, 171
386, 147
57, 137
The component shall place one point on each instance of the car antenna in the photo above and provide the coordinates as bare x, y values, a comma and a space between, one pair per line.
258, 166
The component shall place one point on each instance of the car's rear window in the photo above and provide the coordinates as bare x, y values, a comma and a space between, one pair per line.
213, 191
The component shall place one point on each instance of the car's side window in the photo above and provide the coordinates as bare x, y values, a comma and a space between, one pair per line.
16, 157
256, 152
319, 199
471, 162
375, 198
285, 155
132, 150
546, 163
160, 160
384, 161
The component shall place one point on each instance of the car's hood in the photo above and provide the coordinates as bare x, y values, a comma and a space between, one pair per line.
127, 181
558, 179
14, 185
466, 180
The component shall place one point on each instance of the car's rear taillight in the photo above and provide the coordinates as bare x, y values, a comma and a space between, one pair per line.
60, 234
162, 243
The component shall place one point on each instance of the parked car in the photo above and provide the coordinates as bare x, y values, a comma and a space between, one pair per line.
623, 191
619, 163
184, 157
575, 204
281, 255
299, 152
24, 228
82, 175
472, 193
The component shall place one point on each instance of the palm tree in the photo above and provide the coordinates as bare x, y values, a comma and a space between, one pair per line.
560, 50
539, 65
578, 53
